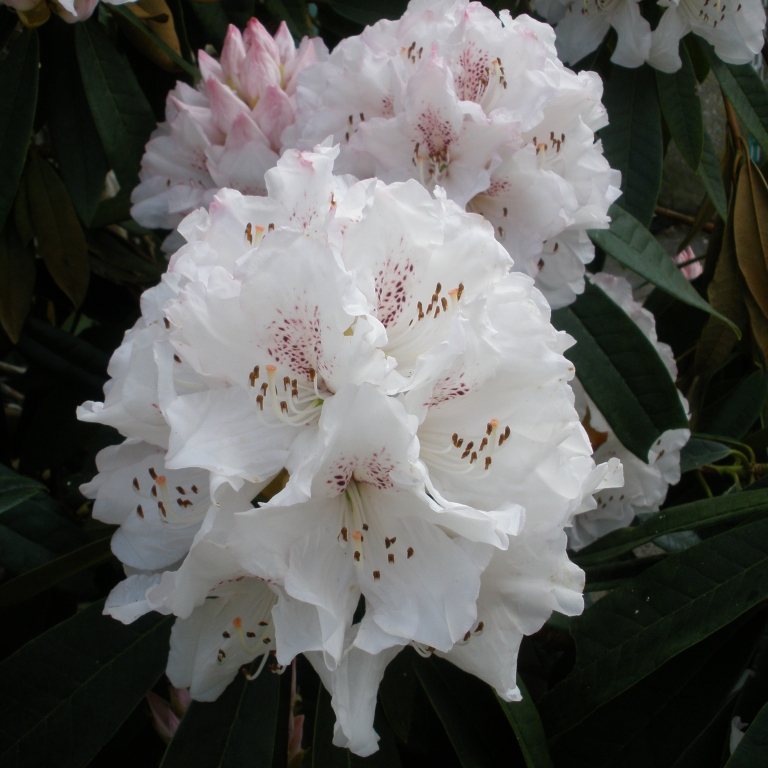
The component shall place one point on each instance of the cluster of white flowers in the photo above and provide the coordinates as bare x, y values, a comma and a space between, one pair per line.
645, 482
372, 340
348, 420
226, 132
734, 29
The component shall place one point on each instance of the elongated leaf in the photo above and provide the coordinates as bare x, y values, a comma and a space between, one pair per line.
120, 110
620, 370
19, 553
470, 750
237, 729
632, 139
686, 517
79, 149
529, 732
753, 748
18, 99
631, 244
60, 237
739, 409
698, 451
681, 108
44, 577
16, 488
65, 693
17, 283
745, 90
712, 177
672, 606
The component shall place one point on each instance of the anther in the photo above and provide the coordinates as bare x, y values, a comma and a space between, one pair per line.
409, 552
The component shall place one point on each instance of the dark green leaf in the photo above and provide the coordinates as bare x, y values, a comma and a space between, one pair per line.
15, 488
739, 409
66, 692
60, 237
17, 283
120, 109
753, 748
632, 139
686, 517
529, 732
712, 177
620, 370
37, 580
18, 553
368, 12
673, 605
470, 749
238, 729
746, 91
18, 99
631, 244
682, 110
697, 452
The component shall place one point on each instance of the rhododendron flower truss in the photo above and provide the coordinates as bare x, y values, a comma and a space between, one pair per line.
226, 132
645, 482
480, 105
735, 30
373, 341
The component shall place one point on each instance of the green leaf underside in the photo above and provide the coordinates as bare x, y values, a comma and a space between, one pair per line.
682, 110
698, 451
18, 99
120, 109
753, 748
632, 140
620, 370
686, 517
15, 488
239, 727
673, 605
712, 177
66, 692
529, 732
633, 246
739, 409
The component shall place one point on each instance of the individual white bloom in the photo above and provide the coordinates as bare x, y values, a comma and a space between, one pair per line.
581, 25
480, 105
226, 132
735, 29
645, 482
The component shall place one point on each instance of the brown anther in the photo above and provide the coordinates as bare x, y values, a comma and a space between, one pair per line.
455, 438
488, 461
249, 232
194, 489
483, 443
260, 402
271, 227
161, 507
467, 635
176, 358
263, 623
267, 640
153, 492
183, 503
357, 556
226, 635
140, 511
136, 484
152, 473
505, 211
283, 406
473, 457
391, 558
480, 626
365, 526
459, 291
286, 382
180, 490
250, 634
376, 575
220, 656
166, 322
311, 373
343, 534
409, 552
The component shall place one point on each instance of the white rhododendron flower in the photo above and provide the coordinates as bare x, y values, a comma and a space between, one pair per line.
480, 105
368, 352
69, 10
645, 483
226, 132
734, 29
581, 25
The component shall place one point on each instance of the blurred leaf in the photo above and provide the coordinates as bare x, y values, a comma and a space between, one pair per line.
117, 260
295, 14
746, 92
79, 149
471, 749
731, 508
368, 12
753, 748
33, 582
712, 177
120, 109
71, 349
238, 729
632, 140
734, 414
697, 452
18, 99
632, 245
750, 230
620, 370
18, 553
529, 732
682, 110
213, 20
60, 237
17, 283
673, 605
15, 488
66, 692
